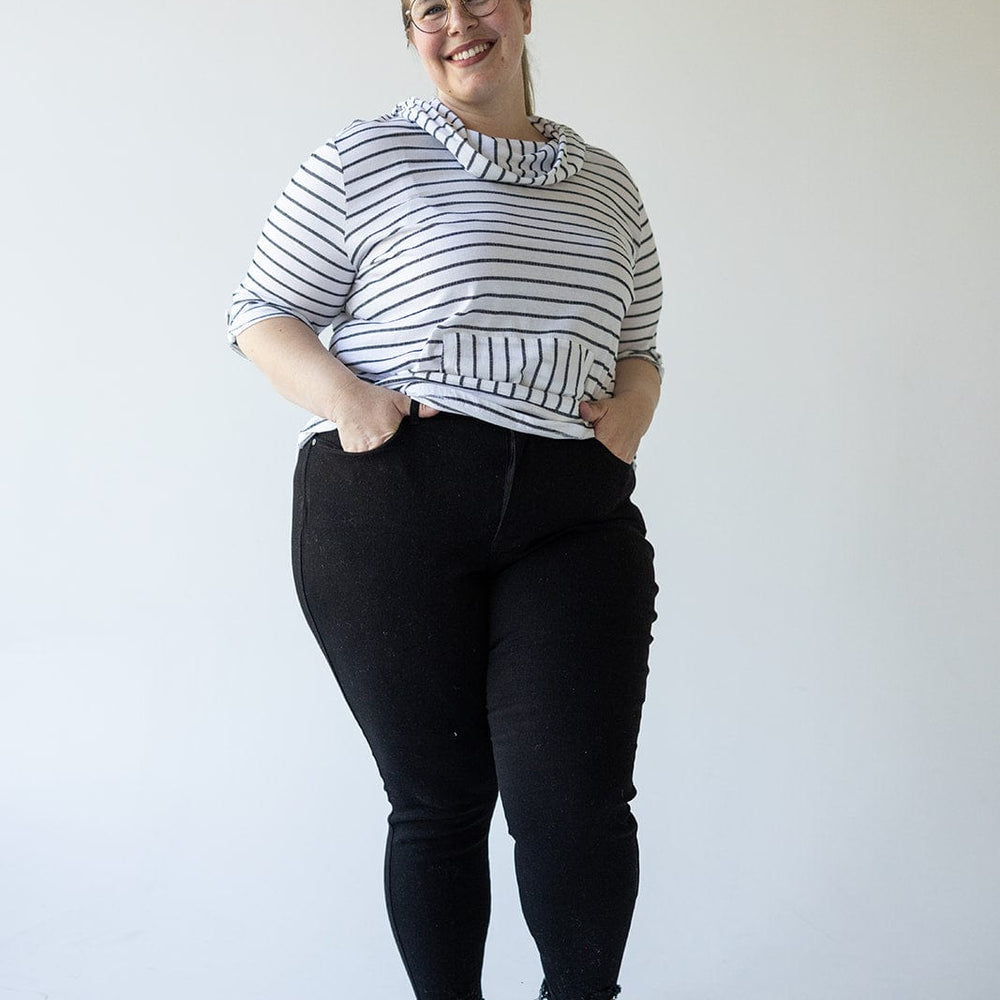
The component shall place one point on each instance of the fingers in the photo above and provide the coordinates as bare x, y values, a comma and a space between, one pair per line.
593, 411
373, 418
615, 425
405, 403
366, 438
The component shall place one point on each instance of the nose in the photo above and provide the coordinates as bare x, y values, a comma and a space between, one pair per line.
458, 16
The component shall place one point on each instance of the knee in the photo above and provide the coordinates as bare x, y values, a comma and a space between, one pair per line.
573, 829
444, 806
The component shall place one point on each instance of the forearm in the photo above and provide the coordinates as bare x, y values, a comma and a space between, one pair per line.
640, 381
297, 364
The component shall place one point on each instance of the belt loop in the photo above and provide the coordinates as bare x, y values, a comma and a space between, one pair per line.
414, 409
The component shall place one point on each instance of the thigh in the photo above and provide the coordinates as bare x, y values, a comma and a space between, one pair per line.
386, 573
570, 637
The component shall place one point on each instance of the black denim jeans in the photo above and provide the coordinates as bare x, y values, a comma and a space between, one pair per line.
484, 599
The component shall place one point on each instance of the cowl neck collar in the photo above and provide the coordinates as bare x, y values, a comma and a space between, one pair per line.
510, 161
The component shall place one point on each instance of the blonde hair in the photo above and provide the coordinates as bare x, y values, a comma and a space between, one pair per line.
529, 87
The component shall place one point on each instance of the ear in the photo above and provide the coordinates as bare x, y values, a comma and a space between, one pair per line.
526, 11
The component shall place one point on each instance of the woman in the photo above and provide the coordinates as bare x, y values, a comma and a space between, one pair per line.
465, 549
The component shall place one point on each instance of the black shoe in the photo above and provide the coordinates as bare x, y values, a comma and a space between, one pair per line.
544, 994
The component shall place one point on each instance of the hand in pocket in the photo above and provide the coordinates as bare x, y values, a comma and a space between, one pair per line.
619, 423
369, 415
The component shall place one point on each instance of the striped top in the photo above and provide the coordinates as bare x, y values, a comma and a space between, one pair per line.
497, 278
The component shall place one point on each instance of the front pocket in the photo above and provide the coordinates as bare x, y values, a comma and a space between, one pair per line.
611, 456
546, 370
331, 441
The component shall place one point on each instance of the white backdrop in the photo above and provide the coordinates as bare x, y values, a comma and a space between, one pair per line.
187, 808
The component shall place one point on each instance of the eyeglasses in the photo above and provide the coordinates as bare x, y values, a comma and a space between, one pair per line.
432, 15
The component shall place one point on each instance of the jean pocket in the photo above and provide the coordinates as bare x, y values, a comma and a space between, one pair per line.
331, 441
608, 454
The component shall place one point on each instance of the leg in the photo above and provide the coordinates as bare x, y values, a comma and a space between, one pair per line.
400, 614
566, 684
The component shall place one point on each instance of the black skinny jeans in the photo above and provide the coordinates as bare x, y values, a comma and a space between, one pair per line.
484, 599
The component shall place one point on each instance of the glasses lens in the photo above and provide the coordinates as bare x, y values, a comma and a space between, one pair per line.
428, 15
432, 15
480, 8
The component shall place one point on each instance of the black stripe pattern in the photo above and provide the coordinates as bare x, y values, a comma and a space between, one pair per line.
498, 278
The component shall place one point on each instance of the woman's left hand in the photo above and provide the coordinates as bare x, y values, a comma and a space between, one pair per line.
618, 424
620, 421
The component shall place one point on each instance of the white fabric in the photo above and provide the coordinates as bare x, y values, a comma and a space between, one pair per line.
493, 277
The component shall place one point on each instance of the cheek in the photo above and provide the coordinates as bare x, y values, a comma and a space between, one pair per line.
428, 55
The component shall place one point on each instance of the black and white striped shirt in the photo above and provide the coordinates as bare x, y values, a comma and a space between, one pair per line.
492, 277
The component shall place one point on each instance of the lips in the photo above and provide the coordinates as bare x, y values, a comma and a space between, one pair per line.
469, 51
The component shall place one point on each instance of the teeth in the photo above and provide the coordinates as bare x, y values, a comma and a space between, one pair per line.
469, 53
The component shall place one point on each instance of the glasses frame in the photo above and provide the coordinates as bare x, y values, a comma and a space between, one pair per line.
449, 4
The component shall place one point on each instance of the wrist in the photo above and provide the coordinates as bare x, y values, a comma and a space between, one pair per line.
639, 400
347, 396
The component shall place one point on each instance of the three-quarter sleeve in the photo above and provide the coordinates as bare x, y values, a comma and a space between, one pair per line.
300, 266
638, 333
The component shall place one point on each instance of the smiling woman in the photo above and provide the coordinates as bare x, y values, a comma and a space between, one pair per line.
430, 16
464, 543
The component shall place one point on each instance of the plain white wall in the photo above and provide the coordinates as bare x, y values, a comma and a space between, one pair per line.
187, 808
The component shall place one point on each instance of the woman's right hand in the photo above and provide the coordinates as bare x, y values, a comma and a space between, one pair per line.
368, 415
304, 371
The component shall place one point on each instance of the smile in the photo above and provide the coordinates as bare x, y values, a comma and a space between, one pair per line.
467, 54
